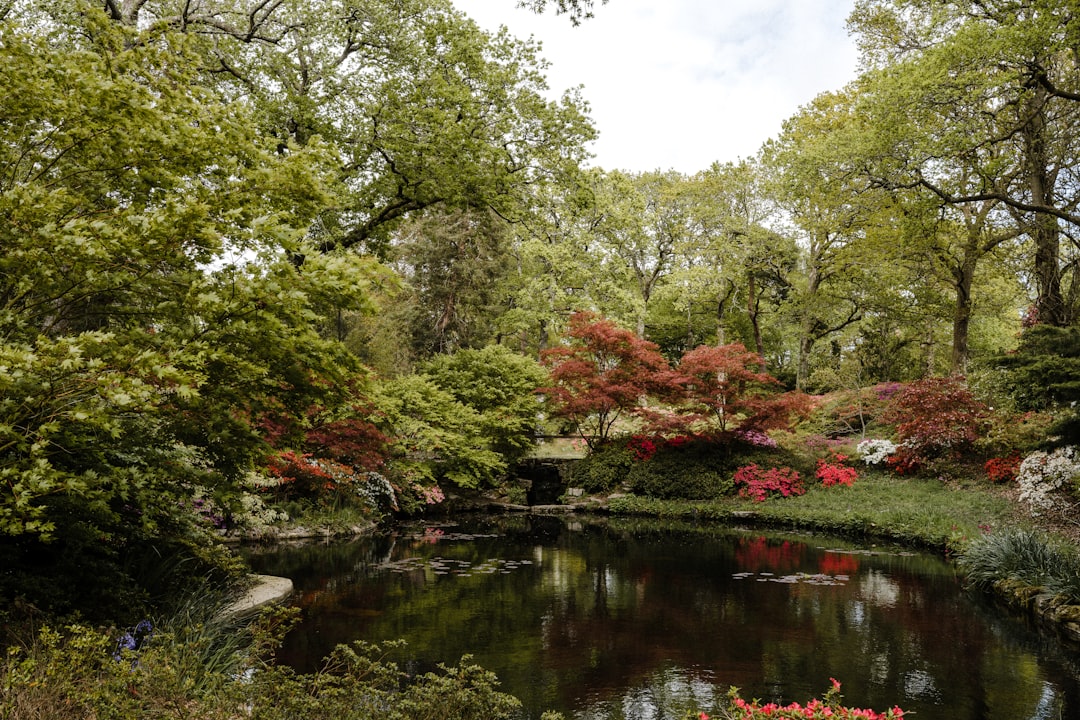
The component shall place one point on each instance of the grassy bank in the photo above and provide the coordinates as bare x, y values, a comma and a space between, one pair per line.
917, 511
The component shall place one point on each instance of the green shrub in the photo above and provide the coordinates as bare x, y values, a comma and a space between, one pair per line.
603, 469
216, 672
1026, 556
697, 470
703, 468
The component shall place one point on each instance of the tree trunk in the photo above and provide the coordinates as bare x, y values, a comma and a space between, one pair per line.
1049, 303
806, 326
752, 311
963, 277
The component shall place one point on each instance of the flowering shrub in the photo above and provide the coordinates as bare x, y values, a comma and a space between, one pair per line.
302, 476
875, 452
828, 707
642, 447
1041, 474
836, 473
1002, 469
759, 485
904, 461
757, 438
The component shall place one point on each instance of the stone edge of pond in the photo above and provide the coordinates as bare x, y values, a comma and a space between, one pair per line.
267, 590
1046, 609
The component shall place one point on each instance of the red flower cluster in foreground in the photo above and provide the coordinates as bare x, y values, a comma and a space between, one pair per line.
829, 707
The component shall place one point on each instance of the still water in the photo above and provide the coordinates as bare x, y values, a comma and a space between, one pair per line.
635, 620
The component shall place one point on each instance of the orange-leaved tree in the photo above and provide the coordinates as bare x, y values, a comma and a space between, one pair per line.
727, 385
602, 373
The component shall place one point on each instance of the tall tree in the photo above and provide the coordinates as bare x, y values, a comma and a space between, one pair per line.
985, 97
816, 184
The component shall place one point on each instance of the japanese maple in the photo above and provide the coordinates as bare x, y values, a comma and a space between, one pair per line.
602, 373
728, 385
936, 417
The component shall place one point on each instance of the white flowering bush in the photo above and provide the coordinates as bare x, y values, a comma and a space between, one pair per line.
874, 451
375, 490
1043, 474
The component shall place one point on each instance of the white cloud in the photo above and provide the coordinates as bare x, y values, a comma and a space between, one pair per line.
682, 83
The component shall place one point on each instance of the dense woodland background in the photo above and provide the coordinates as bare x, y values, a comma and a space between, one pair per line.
254, 251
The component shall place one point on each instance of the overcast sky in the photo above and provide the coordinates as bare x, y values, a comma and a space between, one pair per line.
678, 84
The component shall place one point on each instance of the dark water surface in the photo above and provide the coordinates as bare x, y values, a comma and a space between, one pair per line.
641, 620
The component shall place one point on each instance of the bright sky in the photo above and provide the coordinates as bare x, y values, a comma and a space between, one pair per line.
679, 84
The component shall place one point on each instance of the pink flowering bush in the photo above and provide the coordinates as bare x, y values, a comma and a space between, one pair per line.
828, 707
758, 484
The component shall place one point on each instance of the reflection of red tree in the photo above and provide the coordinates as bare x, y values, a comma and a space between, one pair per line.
838, 564
758, 554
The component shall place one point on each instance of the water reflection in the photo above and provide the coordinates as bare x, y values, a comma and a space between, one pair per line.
639, 620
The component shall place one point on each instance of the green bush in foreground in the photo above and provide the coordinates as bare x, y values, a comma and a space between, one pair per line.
218, 672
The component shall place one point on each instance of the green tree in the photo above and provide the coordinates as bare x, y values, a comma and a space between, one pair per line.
455, 266
138, 363
981, 100
812, 178
435, 437
500, 385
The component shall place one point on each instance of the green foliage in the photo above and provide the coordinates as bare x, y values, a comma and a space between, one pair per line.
500, 385
850, 412
1044, 374
604, 469
695, 470
457, 263
686, 468
137, 362
219, 671
1025, 556
435, 436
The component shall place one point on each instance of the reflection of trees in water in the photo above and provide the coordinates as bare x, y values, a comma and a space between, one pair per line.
635, 618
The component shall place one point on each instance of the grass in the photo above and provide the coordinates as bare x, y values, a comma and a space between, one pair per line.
917, 511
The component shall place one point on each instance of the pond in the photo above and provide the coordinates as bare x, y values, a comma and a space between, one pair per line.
640, 620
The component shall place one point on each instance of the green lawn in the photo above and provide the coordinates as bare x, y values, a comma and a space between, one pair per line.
920, 511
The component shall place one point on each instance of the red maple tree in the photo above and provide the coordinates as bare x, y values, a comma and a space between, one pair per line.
727, 384
602, 373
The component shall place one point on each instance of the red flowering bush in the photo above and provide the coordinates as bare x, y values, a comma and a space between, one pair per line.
904, 462
836, 473
642, 447
828, 707
758, 484
1002, 469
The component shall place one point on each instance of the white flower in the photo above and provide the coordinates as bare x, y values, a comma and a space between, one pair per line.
1041, 474
874, 451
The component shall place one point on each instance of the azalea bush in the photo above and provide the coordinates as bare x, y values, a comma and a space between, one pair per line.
1002, 469
758, 484
875, 451
1042, 476
830, 706
835, 472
